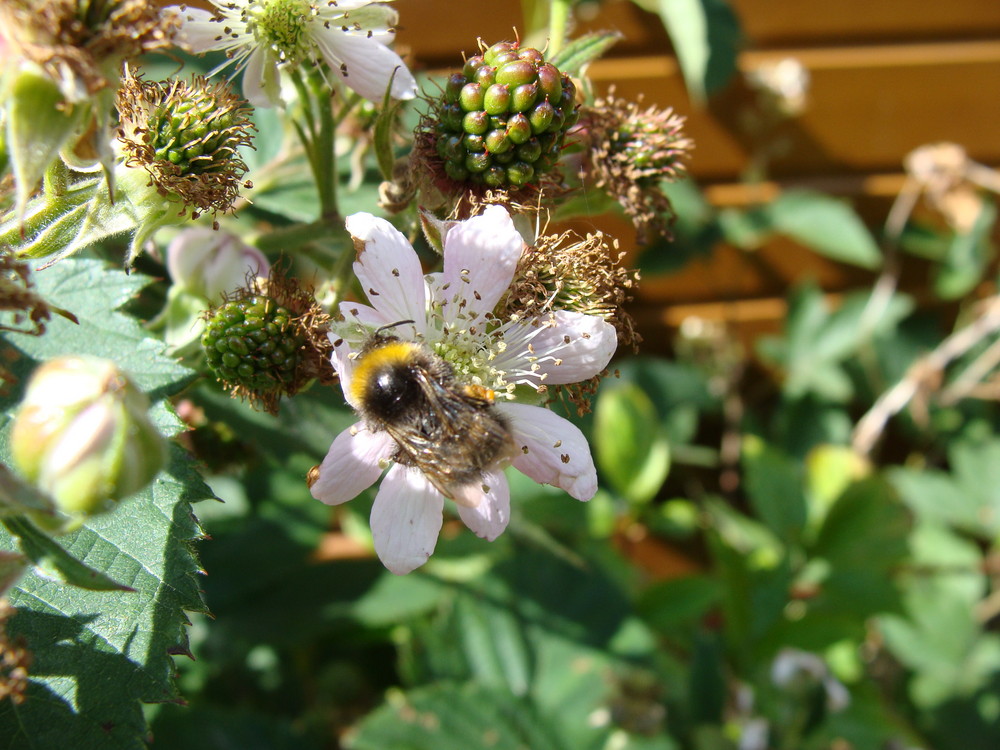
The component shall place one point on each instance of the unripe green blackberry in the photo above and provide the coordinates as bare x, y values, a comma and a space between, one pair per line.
187, 137
253, 344
502, 121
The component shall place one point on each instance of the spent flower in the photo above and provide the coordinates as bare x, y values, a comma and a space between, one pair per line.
629, 152
81, 45
268, 339
260, 37
446, 324
186, 137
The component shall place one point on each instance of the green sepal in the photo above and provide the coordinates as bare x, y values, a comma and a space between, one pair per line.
52, 560
382, 134
12, 567
39, 121
181, 320
579, 53
18, 497
434, 230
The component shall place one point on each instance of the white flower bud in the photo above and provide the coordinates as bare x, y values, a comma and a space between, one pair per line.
82, 435
210, 263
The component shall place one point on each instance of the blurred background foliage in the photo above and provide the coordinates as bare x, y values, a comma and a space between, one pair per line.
796, 541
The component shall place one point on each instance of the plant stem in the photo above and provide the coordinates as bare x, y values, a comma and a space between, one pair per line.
325, 153
342, 271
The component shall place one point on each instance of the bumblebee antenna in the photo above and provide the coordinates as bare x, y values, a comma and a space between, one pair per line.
378, 331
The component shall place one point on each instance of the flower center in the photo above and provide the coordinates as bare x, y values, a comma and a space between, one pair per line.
282, 25
471, 353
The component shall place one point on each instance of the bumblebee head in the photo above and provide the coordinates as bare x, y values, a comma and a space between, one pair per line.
385, 383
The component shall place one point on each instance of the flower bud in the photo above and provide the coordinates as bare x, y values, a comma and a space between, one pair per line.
210, 263
82, 434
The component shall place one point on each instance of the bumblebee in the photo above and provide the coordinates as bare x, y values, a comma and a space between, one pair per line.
450, 431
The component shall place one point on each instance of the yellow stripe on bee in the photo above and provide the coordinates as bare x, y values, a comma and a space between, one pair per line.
391, 353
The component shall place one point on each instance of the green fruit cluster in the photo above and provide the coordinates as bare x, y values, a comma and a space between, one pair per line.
195, 134
253, 343
503, 119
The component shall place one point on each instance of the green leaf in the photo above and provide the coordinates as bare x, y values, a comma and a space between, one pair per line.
939, 637
99, 654
530, 627
774, 484
827, 225
746, 229
863, 540
455, 717
93, 292
967, 255
580, 52
394, 598
708, 680
817, 340
695, 232
706, 37
830, 469
967, 499
39, 121
51, 559
670, 604
630, 448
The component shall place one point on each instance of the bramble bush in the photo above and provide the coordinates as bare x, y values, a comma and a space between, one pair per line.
234, 239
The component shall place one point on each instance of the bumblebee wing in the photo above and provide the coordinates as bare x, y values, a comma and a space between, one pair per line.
454, 440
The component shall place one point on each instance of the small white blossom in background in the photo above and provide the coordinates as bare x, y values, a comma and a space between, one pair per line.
452, 314
797, 670
784, 84
210, 262
262, 36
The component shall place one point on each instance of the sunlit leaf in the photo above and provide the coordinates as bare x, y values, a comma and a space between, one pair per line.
583, 50
826, 225
706, 37
98, 655
630, 448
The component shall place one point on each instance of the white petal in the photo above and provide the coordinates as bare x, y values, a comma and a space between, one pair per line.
343, 362
261, 86
351, 465
565, 347
480, 257
490, 516
389, 270
198, 33
406, 519
552, 450
365, 64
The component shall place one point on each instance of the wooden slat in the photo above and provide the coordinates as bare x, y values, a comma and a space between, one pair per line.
440, 29
867, 106
783, 22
